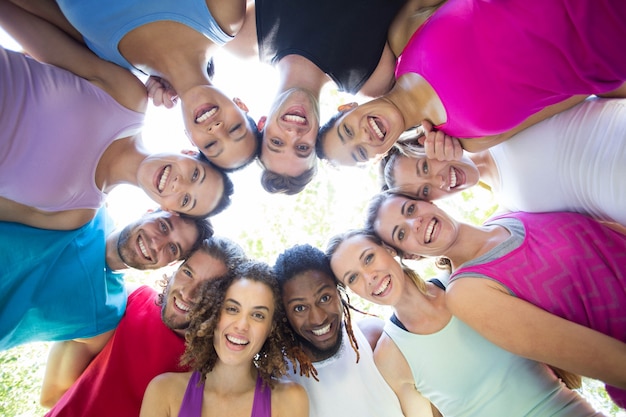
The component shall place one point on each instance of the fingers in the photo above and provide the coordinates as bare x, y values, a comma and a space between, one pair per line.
440, 146
161, 92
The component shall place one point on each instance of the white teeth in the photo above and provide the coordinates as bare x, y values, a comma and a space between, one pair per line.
429, 230
452, 177
207, 114
383, 286
180, 305
164, 176
375, 128
294, 118
322, 331
236, 340
143, 249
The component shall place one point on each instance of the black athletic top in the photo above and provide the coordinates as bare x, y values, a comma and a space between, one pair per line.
344, 38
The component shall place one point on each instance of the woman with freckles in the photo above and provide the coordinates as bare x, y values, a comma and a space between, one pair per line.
58, 163
235, 347
426, 351
572, 161
558, 278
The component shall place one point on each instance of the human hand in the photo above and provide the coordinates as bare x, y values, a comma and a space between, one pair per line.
440, 146
161, 92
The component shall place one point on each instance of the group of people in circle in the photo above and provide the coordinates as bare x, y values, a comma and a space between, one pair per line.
527, 98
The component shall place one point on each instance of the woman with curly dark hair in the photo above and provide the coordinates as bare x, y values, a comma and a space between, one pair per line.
236, 348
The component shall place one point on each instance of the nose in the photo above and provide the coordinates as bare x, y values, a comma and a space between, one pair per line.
415, 223
242, 323
215, 126
317, 316
179, 183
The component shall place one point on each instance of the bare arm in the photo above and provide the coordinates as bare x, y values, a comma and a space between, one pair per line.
49, 10
66, 362
531, 332
481, 144
48, 43
396, 371
158, 397
11, 211
372, 329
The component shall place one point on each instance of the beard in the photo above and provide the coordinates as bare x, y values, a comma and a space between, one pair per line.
318, 354
125, 251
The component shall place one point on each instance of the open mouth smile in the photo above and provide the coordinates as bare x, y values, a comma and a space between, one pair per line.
429, 230
162, 178
321, 332
382, 287
377, 128
236, 340
143, 249
206, 114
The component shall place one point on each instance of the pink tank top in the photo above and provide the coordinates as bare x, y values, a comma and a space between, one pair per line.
495, 63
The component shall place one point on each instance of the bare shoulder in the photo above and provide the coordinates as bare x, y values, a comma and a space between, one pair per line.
289, 399
372, 329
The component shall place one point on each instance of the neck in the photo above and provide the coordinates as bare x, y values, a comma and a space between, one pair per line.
416, 101
486, 168
231, 380
112, 256
296, 71
474, 241
119, 163
422, 313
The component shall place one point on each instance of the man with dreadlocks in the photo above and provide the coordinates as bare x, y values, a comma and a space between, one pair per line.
348, 382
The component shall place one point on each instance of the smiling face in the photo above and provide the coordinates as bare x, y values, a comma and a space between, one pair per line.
431, 179
363, 133
218, 126
245, 321
290, 132
369, 270
415, 227
156, 240
181, 183
183, 288
314, 311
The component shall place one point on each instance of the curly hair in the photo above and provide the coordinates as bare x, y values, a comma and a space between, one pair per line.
220, 248
270, 362
303, 258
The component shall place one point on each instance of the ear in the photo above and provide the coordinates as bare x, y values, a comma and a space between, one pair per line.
261, 123
240, 104
189, 152
343, 108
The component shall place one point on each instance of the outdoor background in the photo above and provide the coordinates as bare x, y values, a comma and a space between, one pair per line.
264, 224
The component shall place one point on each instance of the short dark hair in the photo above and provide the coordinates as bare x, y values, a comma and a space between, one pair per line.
321, 134
299, 259
276, 183
205, 231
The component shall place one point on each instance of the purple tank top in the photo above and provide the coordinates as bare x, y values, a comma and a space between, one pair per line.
192, 401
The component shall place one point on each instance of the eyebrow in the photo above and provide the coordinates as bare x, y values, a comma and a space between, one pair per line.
231, 300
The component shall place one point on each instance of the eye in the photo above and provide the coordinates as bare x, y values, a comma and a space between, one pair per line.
258, 316
303, 148
410, 209
325, 298
368, 258
187, 272
299, 308
426, 191
347, 130
163, 226
230, 309
362, 153
195, 175
186, 199
352, 278
400, 235
425, 167
276, 142
235, 128
173, 249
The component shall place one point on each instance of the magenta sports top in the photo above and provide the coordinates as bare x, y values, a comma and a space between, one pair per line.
495, 63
